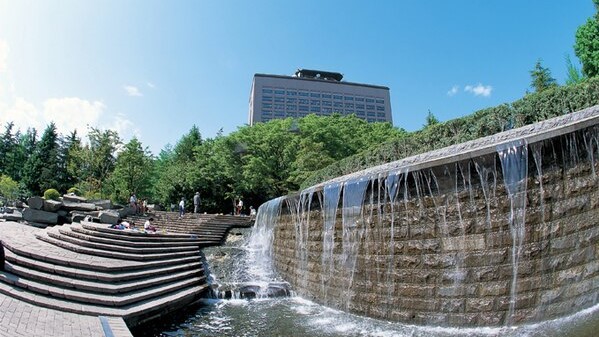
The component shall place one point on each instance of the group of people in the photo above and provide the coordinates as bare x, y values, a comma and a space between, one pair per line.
196, 205
139, 206
148, 227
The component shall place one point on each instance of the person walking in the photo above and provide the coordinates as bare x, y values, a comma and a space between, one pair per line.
239, 206
181, 207
196, 202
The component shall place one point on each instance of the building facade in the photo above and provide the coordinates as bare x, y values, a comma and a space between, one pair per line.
316, 92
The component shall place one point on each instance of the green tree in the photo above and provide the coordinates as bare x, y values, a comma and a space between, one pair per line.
8, 188
574, 74
98, 160
132, 172
541, 78
41, 169
586, 46
70, 146
431, 119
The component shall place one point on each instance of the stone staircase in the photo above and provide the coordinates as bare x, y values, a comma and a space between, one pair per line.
90, 269
210, 227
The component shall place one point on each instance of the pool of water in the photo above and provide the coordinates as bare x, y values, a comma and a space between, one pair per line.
295, 316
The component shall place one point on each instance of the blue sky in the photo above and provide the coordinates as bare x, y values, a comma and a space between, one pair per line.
155, 68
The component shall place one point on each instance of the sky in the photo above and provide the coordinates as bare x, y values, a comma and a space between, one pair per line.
153, 69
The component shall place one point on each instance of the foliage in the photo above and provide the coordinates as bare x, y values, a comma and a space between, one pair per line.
132, 172
574, 74
74, 190
431, 119
41, 167
541, 78
530, 109
51, 194
8, 188
586, 46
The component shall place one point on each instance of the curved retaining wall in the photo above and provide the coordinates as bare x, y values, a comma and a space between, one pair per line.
503, 230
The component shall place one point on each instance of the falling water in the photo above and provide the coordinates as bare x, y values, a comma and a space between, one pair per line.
331, 196
353, 229
514, 164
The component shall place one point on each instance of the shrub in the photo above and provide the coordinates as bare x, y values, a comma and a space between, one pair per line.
74, 190
51, 194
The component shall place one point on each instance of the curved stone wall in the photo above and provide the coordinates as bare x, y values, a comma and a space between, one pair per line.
500, 231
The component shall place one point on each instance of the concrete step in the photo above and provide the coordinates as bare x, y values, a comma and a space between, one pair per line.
116, 245
79, 246
94, 275
126, 240
133, 314
140, 236
97, 286
108, 300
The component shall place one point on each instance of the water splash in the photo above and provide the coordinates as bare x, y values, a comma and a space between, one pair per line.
514, 164
260, 245
331, 197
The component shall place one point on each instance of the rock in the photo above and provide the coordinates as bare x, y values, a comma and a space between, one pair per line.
125, 211
278, 290
73, 198
78, 217
102, 204
12, 216
62, 212
34, 215
109, 217
37, 224
35, 202
249, 291
52, 205
77, 206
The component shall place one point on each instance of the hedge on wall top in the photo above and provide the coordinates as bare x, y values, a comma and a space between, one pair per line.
530, 109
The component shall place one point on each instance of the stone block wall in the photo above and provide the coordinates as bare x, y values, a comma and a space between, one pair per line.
450, 244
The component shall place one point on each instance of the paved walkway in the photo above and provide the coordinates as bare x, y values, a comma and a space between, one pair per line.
18, 318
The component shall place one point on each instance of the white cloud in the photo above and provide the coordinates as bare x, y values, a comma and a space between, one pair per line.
479, 90
23, 114
454, 90
132, 91
4, 56
72, 113
151, 85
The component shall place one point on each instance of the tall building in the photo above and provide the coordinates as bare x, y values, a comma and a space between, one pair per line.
316, 92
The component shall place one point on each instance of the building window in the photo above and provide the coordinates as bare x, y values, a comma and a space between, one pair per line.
266, 113
292, 100
359, 99
267, 91
291, 93
337, 97
370, 100
327, 110
380, 108
380, 114
380, 101
304, 101
371, 114
279, 92
279, 106
267, 106
267, 98
279, 114
315, 102
349, 98
315, 109
359, 106
326, 96
349, 105
361, 113
315, 94
291, 107
327, 103
338, 105
279, 99
369, 107
303, 108
303, 93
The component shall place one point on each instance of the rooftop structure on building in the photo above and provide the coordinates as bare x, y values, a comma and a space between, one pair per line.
317, 92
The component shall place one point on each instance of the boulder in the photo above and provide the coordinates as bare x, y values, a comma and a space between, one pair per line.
73, 198
12, 216
35, 202
102, 204
125, 211
35, 215
109, 217
37, 224
52, 205
78, 217
77, 206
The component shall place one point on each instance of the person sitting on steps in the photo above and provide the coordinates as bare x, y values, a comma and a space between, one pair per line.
148, 226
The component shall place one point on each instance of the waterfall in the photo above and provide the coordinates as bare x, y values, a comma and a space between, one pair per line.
353, 229
260, 244
331, 197
514, 164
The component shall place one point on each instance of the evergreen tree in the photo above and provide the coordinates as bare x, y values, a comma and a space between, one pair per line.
541, 78
70, 146
132, 171
42, 169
